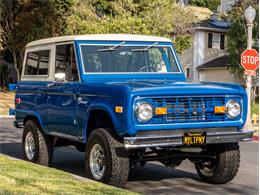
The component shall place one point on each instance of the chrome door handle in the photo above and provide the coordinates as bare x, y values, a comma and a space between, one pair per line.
80, 101
50, 84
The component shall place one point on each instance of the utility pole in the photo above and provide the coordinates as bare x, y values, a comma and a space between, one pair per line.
249, 16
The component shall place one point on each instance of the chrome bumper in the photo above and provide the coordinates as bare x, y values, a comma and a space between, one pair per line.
176, 140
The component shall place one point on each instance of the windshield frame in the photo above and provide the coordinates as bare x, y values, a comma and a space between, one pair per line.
127, 43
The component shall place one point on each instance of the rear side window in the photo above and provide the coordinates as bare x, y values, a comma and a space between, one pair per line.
37, 63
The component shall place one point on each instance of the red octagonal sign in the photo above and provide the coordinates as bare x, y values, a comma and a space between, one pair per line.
250, 59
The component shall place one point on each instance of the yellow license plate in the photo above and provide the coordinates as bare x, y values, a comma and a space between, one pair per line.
194, 139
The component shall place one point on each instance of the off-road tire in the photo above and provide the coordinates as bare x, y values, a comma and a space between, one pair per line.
43, 144
226, 167
117, 160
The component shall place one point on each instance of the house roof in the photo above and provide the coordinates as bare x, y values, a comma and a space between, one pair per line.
221, 62
99, 37
213, 25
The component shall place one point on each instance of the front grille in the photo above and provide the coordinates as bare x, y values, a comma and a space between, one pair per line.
189, 109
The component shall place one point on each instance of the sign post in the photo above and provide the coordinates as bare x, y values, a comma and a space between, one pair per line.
250, 62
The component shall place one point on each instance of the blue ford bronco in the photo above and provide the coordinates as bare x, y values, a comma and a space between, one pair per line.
124, 100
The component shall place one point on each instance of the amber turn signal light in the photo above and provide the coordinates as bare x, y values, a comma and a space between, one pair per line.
219, 109
119, 109
160, 111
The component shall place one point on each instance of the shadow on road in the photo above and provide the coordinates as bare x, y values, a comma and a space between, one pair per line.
152, 179
11, 149
70, 160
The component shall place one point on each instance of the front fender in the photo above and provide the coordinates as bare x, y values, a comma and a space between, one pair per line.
116, 119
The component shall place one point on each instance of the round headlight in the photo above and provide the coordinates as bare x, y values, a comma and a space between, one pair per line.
144, 111
233, 108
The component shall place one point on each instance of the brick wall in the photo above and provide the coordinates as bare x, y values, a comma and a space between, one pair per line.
186, 60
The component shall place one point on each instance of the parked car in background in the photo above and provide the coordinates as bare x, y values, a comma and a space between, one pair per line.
124, 100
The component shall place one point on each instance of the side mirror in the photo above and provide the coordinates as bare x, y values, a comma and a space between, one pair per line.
60, 77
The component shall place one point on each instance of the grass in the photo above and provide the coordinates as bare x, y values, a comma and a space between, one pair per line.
255, 108
20, 177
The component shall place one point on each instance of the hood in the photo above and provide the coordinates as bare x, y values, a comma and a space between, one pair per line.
159, 87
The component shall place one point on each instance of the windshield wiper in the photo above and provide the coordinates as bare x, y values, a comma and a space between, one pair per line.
112, 48
144, 49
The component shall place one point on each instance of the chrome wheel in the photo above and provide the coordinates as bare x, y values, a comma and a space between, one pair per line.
29, 146
97, 162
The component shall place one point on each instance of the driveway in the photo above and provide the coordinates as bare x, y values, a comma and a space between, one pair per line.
153, 178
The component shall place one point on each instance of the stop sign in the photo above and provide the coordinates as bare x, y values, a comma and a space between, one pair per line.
250, 59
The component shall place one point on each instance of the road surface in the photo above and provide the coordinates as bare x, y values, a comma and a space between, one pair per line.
153, 178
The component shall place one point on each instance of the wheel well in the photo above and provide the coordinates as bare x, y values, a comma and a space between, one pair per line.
98, 119
30, 117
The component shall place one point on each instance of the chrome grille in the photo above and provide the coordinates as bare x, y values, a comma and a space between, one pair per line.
189, 109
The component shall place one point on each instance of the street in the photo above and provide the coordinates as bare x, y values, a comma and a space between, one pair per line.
153, 178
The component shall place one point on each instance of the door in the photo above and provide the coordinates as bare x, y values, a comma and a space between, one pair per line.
62, 98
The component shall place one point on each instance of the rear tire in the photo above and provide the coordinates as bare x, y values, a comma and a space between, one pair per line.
37, 147
106, 159
224, 168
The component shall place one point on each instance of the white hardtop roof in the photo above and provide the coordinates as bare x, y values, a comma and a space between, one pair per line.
99, 37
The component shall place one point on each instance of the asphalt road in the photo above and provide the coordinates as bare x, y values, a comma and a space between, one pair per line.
153, 178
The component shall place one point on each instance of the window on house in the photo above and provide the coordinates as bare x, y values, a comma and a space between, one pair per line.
37, 63
216, 41
187, 73
66, 63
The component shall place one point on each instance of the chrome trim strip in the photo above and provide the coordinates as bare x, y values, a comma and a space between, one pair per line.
176, 140
22, 91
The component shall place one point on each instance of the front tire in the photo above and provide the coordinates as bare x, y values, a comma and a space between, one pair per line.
37, 147
224, 168
106, 158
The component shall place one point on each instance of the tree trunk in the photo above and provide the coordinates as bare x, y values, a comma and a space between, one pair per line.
16, 67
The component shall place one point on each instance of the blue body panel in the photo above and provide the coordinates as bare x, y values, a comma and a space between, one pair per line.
58, 110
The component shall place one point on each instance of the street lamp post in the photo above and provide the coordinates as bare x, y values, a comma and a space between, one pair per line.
249, 16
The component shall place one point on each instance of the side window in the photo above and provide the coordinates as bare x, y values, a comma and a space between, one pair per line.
37, 63
66, 62
157, 60
173, 63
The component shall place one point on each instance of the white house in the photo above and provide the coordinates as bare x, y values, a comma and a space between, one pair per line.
207, 59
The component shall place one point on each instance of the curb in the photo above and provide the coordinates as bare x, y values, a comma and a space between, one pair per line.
6, 116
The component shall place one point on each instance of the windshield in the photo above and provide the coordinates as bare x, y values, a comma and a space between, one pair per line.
126, 58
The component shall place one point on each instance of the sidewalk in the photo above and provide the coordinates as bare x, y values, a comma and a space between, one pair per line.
6, 102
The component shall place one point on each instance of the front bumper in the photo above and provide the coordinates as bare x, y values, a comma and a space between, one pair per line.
221, 136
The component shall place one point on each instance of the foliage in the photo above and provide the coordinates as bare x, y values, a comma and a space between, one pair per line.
182, 42
20, 177
237, 35
212, 4
26, 20
255, 108
157, 17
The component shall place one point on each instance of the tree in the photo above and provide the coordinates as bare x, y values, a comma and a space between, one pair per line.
9, 12
237, 38
237, 34
157, 17
26, 20
212, 4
